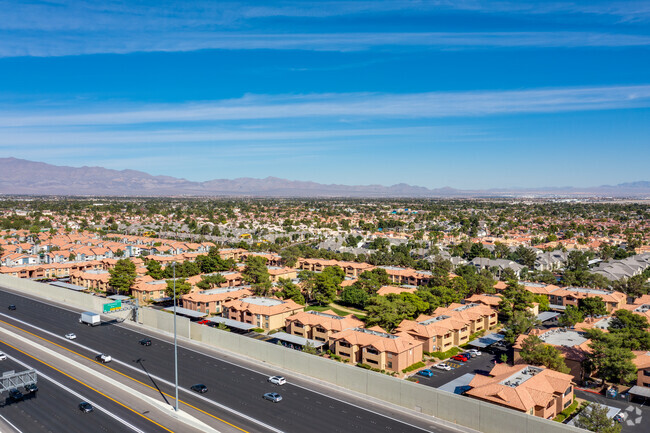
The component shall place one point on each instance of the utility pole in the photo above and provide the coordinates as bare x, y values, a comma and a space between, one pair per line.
175, 342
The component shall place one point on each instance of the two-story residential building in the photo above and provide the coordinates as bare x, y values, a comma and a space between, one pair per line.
533, 390
564, 296
265, 313
437, 333
211, 301
377, 348
319, 326
147, 290
94, 279
642, 363
479, 317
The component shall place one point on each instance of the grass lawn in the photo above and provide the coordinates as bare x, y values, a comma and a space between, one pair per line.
327, 307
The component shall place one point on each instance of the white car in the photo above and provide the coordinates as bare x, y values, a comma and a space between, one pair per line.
443, 366
103, 358
278, 380
2, 356
475, 352
70, 336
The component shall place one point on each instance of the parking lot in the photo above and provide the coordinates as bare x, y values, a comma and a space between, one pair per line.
481, 364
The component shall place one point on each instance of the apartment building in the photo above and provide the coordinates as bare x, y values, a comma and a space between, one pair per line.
477, 316
533, 390
211, 301
94, 279
351, 269
436, 333
377, 348
265, 313
642, 363
320, 326
407, 276
564, 296
147, 290
277, 272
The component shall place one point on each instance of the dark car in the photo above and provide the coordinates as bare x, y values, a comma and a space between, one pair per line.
31, 387
426, 373
85, 407
146, 341
200, 388
12, 307
14, 394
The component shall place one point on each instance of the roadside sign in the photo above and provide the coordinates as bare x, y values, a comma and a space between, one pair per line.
112, 306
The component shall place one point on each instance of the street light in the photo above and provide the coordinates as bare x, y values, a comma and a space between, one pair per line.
175, 344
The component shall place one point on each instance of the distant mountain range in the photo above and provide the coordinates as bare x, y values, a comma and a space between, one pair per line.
22, 177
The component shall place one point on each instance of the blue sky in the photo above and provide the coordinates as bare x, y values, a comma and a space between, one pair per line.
467, 94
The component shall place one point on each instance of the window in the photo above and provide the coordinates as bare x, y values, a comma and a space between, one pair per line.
371, 351
390, 365
646, 372
372, 361
568, 391
567, 404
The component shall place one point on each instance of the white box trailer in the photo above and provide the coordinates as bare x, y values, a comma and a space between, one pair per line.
90, 319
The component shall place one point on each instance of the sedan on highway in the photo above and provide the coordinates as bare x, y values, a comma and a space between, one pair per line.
103, 358
272, 396
278, 380
12, 307
85, 407
15, 395
31, 387
3, 357
200, 388
146, 341
71, 336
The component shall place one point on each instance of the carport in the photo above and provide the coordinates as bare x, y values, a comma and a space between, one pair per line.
193, 315
640, 391
296, 342
547, 316
487, 340
68, 286
240, 327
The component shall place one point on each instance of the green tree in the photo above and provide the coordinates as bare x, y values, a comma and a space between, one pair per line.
289, 290
520, 322
631, 330
182, 288
594, 418
327, 284
210, 281
355, 297
515, 298
154, 270
571, 316
577, 261
123, 276
371, 281
525, 256
255, 271
592, 306
309, 348
535, 352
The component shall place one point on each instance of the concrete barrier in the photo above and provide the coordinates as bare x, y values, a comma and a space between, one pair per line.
475, 414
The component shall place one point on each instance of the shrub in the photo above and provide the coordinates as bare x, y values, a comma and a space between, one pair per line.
448, 354
366, 366
259, 330
566, 412
413, 367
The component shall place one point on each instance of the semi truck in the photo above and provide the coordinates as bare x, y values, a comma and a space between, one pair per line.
90, 319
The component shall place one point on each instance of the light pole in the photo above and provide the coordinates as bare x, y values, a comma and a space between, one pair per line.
175, 345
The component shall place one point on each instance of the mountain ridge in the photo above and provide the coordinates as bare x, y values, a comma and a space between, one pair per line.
24, 177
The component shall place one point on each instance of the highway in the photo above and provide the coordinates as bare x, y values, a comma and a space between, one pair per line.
55, 406
234, 399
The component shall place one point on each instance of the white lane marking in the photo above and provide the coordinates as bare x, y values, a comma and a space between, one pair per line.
231, 363
214, 403
79, 396
13, 426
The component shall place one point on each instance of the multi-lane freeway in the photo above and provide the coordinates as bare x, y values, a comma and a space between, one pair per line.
234, 400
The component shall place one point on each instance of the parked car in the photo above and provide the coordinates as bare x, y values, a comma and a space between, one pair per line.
12, 307
443, 366
103, 358
3, 357
70, 336
278, 380
620, 417
204, 322
85, 407
475, 352
425, 373
31, 387
460, 358
272, 396
146, 341
200, 388
468, 355
15, 395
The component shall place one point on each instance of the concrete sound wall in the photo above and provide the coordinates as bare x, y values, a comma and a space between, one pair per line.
481, 416
484, 417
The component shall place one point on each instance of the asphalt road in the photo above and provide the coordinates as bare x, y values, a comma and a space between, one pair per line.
237, 388
56, 409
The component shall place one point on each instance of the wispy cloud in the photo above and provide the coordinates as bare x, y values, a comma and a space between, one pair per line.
16, 45
343, 106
